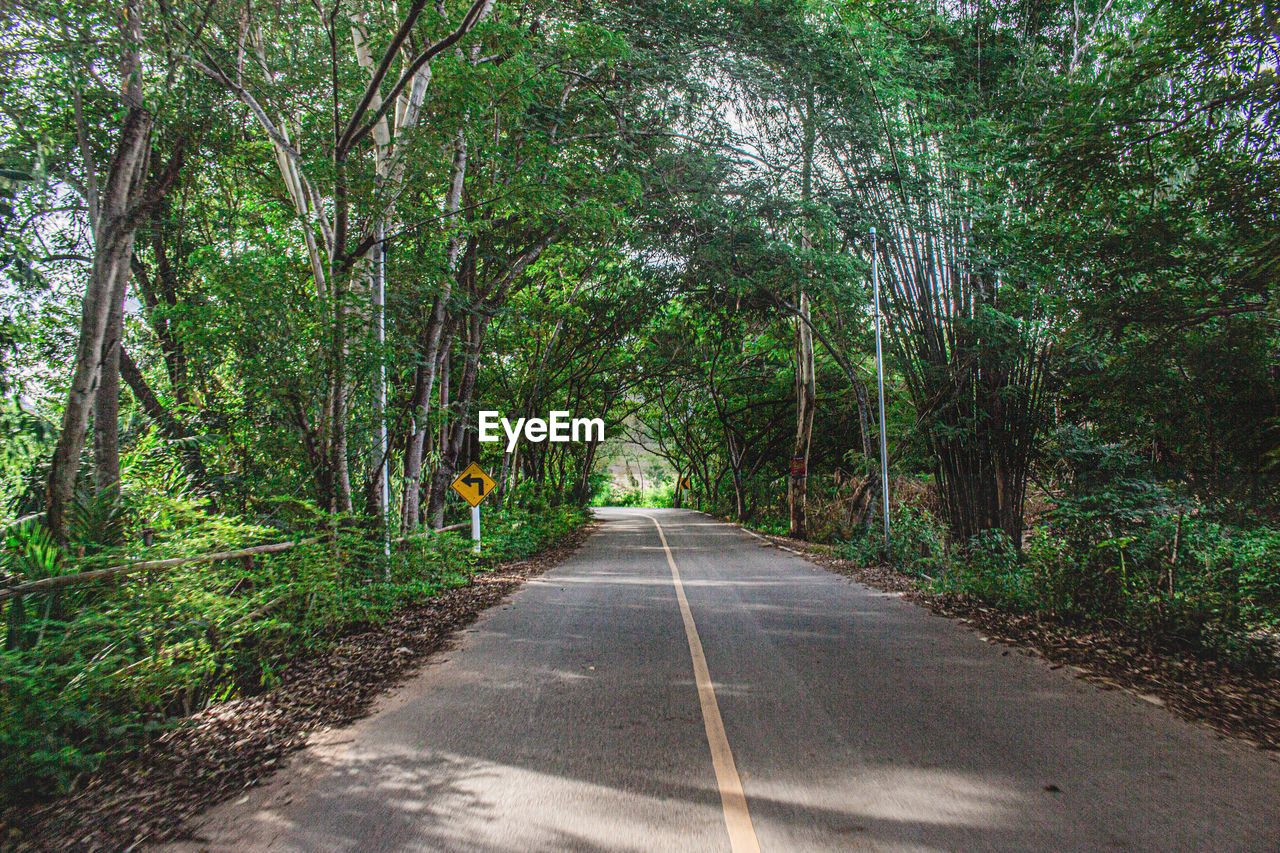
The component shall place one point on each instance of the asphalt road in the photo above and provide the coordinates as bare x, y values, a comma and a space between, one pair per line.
724, 695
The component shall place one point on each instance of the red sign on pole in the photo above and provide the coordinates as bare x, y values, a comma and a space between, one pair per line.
798, 466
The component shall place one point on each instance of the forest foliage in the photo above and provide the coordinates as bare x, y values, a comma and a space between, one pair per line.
223, 223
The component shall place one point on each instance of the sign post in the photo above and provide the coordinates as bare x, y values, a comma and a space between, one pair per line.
473, 486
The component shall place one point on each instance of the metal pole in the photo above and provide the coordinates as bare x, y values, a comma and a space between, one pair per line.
884, 449
475, 528
380, 308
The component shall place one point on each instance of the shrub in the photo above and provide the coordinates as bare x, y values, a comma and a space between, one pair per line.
1054, 573
988, 567
917, 543
123, 661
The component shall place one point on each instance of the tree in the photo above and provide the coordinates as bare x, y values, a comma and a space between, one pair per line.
112, 176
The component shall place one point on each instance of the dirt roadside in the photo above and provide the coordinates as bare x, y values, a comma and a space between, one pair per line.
1235, 703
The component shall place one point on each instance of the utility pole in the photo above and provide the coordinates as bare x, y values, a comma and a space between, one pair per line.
884, 448
380, 309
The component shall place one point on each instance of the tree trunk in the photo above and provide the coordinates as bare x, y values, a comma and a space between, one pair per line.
424, 382
114, 233
444, 401
159, 291
426, 371
339, 393
864, 426
535, 395
584, 482
106, 405
462, 422
739, 488
456, 434
419, 405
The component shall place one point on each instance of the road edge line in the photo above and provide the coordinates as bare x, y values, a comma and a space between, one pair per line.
733, 800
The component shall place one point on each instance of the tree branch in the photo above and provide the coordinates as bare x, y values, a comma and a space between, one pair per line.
351, 135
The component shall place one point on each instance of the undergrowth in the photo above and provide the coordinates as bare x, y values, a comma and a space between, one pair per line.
94, 671
1185, 582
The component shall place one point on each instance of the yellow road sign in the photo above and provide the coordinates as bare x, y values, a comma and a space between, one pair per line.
473, 484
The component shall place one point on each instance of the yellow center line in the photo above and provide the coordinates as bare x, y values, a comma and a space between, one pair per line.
742, 834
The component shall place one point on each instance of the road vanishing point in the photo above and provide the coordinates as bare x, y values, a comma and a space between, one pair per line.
677, 685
